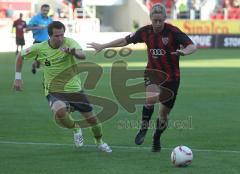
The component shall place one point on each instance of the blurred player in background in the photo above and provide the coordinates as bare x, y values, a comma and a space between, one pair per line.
20, 25
38, 24
55, 56
165, 44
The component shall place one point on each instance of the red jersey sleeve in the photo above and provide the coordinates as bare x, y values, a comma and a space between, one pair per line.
135, 37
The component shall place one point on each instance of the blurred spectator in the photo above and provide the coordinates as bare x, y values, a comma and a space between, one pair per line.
9, 12
232, 10
3, 11
229, 9
19, 24
61, 13
183, 9
77, 4
38, 24
236, 3
195, 8
227, 4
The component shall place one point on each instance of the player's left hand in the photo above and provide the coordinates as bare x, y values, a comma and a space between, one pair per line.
71, 51
178, 52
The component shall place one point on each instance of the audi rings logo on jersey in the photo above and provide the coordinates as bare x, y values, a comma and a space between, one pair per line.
157, 52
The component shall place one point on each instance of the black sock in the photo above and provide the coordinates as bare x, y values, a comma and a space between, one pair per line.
146, 116
161, 126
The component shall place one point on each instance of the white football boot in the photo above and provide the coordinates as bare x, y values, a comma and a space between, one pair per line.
78, 138
105, 148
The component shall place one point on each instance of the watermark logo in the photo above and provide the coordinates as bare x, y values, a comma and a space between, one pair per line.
123, 52
179, 124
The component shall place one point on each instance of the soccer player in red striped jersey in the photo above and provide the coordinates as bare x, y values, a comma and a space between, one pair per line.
19, 24
165, 44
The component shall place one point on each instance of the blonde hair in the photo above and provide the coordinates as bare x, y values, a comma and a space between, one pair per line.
158, 8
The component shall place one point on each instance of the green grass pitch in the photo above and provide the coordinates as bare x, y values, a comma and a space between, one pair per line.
205, 118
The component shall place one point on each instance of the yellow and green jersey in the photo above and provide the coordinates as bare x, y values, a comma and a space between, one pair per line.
59, 68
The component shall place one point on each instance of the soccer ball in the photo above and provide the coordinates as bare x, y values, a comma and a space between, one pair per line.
181, 156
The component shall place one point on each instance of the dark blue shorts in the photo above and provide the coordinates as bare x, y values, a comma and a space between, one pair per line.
74, 101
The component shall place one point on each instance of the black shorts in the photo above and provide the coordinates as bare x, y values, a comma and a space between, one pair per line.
77, 101
20, 41
169, 90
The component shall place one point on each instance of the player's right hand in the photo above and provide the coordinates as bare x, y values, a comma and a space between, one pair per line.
17, 85
35, 65
96, 46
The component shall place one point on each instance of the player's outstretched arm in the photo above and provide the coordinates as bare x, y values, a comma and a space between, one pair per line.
17, 85
116, 43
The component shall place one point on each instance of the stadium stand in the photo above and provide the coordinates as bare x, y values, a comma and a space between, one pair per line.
229, 9
224, 9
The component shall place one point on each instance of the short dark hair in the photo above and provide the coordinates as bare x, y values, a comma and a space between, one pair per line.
55, 24
45, 6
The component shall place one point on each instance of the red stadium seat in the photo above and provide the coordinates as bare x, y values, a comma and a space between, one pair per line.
213, 16
238, 13
219, 16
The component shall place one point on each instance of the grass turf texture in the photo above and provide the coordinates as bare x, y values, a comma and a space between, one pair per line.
207, 107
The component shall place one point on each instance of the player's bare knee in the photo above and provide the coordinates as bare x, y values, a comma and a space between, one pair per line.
61, 113
151, 100
59, 109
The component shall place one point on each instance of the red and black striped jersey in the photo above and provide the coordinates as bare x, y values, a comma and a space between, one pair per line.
20, 25
160, 46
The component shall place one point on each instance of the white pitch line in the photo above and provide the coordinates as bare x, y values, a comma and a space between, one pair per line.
116, 147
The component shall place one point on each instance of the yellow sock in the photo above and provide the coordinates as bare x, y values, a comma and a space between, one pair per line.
97, 133
66, 122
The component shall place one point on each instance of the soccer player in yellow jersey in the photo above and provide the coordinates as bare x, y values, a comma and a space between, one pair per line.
55, 56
